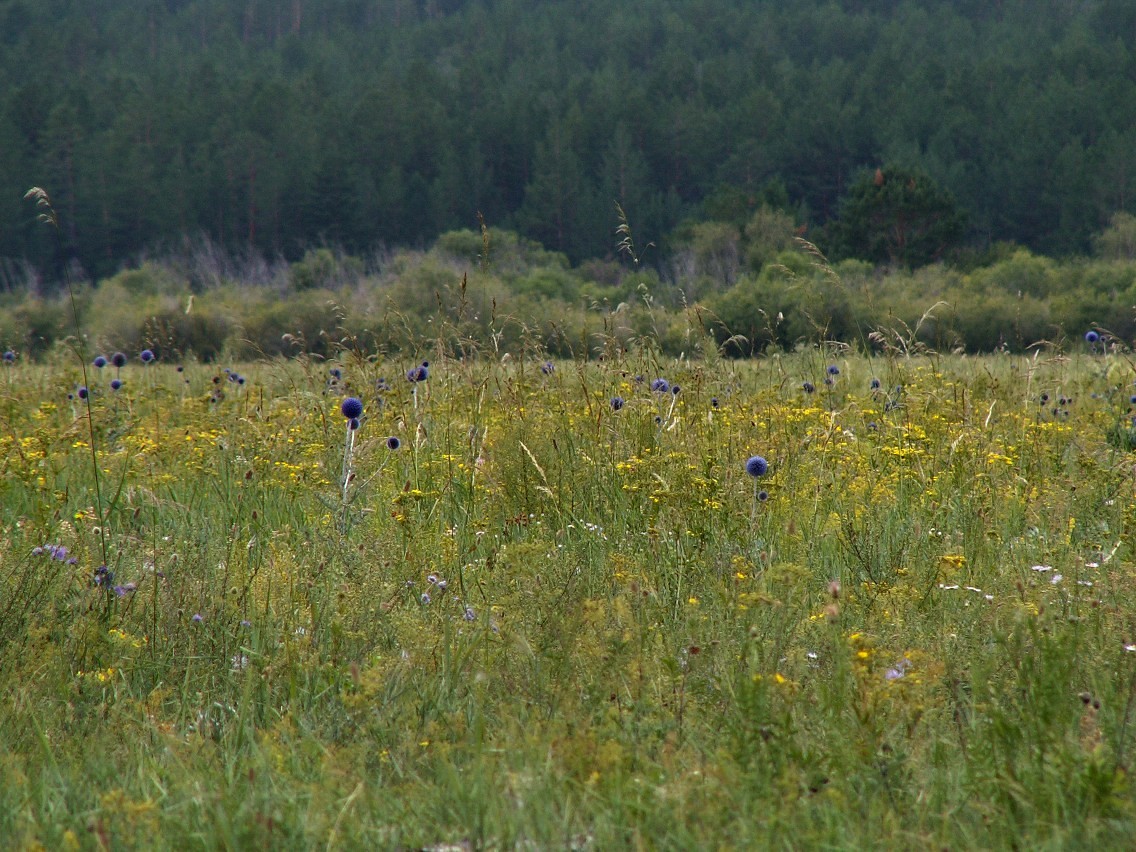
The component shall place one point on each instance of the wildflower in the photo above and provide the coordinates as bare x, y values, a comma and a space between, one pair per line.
469, 614
874, 384
898, 670
197, 618
118, 359
1091, 336
352, 408
418, 374
381, 384
393, 443
9, 356
833, 370
147, 356
425, 598
336, 373
808, 387
616, 403
103, 576
353, 423
115, 384
83, 392
675, 389
100, 361
756, 466
714, 402
762, 496
548, 368
660, 386
123, 590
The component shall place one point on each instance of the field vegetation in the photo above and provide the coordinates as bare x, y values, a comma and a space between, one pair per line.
823, 598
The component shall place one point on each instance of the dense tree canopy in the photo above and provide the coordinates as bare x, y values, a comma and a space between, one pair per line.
279, 126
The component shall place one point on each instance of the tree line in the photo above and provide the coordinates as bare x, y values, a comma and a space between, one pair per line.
278, 127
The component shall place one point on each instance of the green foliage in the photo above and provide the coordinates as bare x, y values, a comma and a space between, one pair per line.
1118, 240
898, 216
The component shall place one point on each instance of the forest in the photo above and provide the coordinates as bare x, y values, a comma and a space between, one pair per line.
276, 129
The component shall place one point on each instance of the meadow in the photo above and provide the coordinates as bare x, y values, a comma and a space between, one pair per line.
559, 605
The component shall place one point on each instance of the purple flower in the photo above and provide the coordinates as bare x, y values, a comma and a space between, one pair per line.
548, 368
100, 361
197, 618
756, 466
393, 443
418, 374
83, 392
118, 359
147, 355
115, 384
9, 356
660, 386
616, 403
352, 408
1092, 336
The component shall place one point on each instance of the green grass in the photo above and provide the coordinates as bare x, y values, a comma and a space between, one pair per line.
917, 641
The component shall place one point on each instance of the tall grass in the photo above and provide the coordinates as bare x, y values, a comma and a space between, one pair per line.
544, 621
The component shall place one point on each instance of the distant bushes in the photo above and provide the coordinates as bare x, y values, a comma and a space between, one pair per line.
510, 295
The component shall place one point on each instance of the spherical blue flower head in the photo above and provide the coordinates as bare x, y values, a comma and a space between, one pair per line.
660, 386
147, 355
1091, 336
393, 443
240, 380
616, 403
757, 466
418, 374
83, 392
233, 377
874, 384
833, 370
714, 402
100, 361
675, 389
352, 408
1132, 399
115, 384
336, 373
180, 368
118, 359
808, 387
353, 423
548, 368
9, 356
762, 496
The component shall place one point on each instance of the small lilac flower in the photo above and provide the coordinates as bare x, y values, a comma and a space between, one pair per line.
197, 618
469, 614
147, 355
352, 408
756, 466
548, 368
425, 598
100, 361
899, 670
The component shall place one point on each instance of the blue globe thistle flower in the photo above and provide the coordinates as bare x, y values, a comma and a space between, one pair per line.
833, 370
180, 368
353, 423
640, 379
757, 466
100, 361
762, 496
147, 355
352, 408
1132, 399
548, 368
660, 386
828, 380
808, 387
115, 384
418, 374
675, 389
381, 385
118, 359
233, 377
393, 443
874, 384
714, 401
1092, 336
240, 380
336, 373
83, 392
9, 356
616, 403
